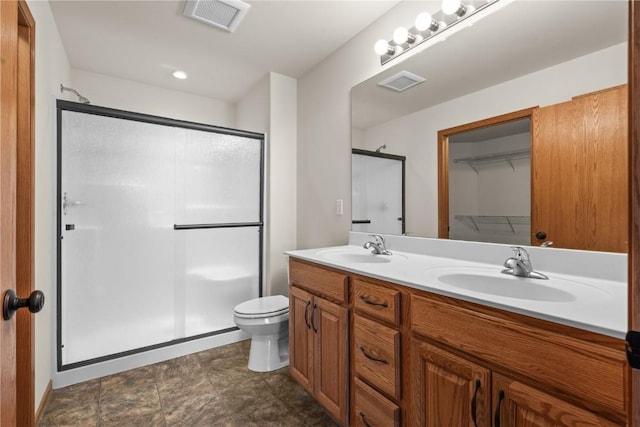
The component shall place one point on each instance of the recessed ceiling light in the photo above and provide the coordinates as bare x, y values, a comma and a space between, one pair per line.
180, 75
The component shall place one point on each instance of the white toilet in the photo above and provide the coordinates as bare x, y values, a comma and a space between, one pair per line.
267, 320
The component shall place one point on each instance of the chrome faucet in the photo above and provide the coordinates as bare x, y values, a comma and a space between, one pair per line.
520, 265
378, 246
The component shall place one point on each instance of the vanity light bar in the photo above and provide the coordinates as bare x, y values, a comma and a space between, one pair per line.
426, 28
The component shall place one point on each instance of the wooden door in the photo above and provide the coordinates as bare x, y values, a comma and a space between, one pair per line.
448, 390
301, 337
8, 161
330, 381
518, 405
17, 50
579, 172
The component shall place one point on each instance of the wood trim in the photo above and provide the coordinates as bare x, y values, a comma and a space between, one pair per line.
633, 383
25, 216
43, 403
443, 184
443, 160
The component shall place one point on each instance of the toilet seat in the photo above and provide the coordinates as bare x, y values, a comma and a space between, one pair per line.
258, 308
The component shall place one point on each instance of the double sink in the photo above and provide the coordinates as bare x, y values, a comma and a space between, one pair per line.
474, 279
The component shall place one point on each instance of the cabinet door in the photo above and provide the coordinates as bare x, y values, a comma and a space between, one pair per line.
448, 390
330, 381
579, 172
301, 337
518, 405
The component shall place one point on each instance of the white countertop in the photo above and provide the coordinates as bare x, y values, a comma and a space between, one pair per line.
589, 303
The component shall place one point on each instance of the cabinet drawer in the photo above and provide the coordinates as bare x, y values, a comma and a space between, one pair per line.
377, 301
372, 409
377, 355
327, 283
589, 372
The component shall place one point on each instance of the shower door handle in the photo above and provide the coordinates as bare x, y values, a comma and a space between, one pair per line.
12, 303
68, 203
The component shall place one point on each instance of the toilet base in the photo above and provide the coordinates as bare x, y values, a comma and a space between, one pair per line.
268, 352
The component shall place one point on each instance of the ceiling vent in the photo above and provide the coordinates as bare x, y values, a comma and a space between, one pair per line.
224, 14
401, 81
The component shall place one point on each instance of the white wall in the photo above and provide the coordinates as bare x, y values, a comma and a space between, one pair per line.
270, 107
415, 135
282, 180
324, 130
52, 68
252, 111
112, 92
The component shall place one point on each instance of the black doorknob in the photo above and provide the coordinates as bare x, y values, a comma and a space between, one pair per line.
541, 235
11, 303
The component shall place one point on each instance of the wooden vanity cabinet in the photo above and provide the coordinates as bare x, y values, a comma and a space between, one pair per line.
518, 405
452, 390
421, 359
448, 390
319, 335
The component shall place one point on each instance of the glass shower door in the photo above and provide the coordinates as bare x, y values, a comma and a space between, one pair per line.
218, 228
160, 231
377, 192
116, 239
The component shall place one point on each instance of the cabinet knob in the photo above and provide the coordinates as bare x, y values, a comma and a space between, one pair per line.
541, 235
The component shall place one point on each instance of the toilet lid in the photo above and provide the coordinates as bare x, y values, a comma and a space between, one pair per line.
263, 307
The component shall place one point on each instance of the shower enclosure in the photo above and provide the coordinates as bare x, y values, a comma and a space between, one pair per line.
160, 231
377, 192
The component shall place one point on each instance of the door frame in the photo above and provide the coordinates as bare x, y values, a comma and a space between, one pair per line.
443, 159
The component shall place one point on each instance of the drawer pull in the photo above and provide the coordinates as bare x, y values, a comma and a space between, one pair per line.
364, 419
370, 357
306, 310
496, 420
474, 404
313, 313
368, 301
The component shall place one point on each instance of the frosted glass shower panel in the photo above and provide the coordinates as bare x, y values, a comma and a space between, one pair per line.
377, 194
218, 178
222, 269
117, 242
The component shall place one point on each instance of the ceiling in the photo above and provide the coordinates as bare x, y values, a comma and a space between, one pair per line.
146, 41
522, 37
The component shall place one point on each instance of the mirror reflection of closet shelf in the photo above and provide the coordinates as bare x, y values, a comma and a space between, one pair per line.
510, 222
507, 156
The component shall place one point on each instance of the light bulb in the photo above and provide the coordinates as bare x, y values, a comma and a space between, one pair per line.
400, 35
381, 47
449, 7
423, 21
181, 75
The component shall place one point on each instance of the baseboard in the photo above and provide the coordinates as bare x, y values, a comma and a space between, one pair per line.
43, 402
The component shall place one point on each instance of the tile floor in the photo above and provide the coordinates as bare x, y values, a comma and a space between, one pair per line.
210, 388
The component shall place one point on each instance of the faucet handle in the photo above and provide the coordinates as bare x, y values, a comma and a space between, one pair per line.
379, 238
520, 251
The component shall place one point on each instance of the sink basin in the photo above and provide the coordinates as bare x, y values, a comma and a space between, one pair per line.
488, 281
356, 256
506, 287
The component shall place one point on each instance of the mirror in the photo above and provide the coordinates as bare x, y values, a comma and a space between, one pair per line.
525, 54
